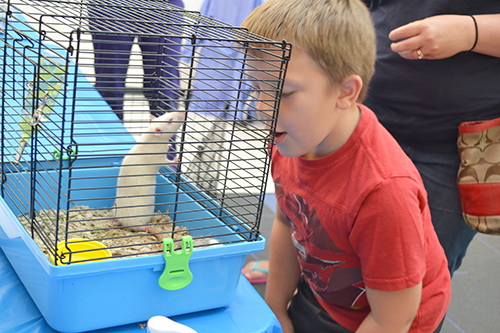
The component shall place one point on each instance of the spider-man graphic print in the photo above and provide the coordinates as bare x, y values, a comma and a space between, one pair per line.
329, 279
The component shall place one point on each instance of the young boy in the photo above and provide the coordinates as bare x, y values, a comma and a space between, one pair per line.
352, 232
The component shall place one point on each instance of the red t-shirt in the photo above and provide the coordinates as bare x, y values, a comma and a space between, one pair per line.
360, 217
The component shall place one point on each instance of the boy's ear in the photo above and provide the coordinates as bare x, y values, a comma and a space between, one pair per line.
349, 91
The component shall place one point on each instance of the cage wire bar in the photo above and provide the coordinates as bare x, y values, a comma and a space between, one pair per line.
72, 69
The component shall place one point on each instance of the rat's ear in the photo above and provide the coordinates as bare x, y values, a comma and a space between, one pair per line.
152, 117
349, 91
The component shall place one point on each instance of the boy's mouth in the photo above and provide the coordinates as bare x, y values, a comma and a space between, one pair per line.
278, 137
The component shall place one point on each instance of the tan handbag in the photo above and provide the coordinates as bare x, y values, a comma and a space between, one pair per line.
479, 174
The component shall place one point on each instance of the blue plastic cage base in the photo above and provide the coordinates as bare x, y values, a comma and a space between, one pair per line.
96, 295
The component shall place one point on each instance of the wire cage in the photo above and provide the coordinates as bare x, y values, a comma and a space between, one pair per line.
129, 126
67, 81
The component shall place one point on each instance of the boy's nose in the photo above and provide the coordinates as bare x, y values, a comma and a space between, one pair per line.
265, 114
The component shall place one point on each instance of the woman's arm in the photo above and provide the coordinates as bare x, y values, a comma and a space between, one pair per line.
488, 41
391, 311
443, 36
284, 270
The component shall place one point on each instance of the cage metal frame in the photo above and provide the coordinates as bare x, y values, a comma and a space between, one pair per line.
45, 47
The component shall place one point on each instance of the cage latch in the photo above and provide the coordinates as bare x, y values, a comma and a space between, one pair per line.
176, 274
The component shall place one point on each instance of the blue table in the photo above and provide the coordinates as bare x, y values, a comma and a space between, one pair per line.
248, 313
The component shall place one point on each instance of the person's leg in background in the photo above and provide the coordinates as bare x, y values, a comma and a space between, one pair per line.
111, 52
439, 174
161, 75
111, 59
160, 59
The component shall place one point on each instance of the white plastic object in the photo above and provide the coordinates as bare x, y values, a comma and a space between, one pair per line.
161, 324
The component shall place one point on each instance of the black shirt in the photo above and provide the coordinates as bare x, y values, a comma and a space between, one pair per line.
421, 102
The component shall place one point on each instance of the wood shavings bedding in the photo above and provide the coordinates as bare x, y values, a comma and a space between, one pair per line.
98, 224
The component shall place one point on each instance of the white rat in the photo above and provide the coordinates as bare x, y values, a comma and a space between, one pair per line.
135, 192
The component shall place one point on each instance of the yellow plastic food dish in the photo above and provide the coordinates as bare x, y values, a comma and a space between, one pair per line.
92, 250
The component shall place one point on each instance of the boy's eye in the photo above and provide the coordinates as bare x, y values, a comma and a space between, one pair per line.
287, 94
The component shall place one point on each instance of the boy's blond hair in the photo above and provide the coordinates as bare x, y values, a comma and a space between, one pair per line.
337, 34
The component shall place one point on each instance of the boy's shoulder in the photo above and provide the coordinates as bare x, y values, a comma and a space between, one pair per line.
380, 149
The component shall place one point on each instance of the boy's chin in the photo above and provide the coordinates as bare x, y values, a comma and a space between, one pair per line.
287, 153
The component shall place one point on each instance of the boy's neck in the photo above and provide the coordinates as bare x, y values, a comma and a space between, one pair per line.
344, 128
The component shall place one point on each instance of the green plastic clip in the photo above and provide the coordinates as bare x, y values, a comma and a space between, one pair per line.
176, 274
57, 154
